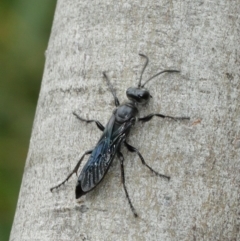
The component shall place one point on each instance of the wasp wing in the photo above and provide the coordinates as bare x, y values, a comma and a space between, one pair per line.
99, 161
102, 156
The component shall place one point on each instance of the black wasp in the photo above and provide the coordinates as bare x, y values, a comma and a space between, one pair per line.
114, 135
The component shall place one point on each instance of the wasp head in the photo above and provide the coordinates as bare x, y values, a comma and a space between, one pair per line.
138, 95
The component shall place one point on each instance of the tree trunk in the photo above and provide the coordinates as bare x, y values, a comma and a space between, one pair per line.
202, 156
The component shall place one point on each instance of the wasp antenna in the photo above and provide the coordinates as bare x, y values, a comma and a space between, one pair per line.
144, 67
164, 71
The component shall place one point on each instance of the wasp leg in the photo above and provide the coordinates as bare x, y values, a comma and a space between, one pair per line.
73, 171
121, 158
116, 101
133, 149
99, 125
150, 116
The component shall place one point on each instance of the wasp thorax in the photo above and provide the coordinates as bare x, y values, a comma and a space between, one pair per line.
126, 112
139, 95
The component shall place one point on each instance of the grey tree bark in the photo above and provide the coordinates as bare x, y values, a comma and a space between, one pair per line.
202, 156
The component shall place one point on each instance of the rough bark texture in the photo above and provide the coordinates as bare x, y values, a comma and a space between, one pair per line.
202, 156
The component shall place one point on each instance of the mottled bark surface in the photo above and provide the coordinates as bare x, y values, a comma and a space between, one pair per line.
202, 156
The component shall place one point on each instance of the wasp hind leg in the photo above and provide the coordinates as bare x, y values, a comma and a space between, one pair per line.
121, 158
73, 171
150, 116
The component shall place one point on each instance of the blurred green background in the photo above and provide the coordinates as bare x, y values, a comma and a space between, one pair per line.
24, 32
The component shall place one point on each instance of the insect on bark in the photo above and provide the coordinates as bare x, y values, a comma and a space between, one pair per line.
115, 135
